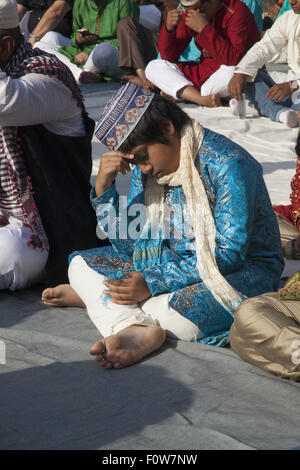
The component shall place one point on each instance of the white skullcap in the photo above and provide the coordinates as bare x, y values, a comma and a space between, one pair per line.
8, 14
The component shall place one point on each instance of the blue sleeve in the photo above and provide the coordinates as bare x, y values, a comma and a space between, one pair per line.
234, 214
118, 216
172, 275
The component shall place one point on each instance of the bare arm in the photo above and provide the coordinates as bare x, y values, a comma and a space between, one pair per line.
50, 19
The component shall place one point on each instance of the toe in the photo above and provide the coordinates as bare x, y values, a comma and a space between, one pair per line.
109, 365
117, 365
47, 293
98, 349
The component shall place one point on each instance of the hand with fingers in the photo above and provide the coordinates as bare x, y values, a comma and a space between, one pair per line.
84, 37
237, 85
129, 290
196, 20
280, 91
173, 19
110, 165
81, 58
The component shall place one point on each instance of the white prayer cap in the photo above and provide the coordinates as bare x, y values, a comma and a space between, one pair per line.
8, 14
186, 3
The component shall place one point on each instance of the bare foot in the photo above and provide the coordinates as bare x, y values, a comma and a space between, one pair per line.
143, 82
90, 77
61, 296
128, 346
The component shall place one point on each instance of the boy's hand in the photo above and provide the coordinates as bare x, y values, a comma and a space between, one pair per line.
111, 164
130, 290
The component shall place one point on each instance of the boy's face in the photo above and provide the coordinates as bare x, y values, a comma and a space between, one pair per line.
158, 159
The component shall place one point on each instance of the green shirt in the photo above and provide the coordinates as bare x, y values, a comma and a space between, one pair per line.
98, 20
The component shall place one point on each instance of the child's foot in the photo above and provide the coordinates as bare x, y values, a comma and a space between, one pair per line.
289, 118
61, 296
128, 346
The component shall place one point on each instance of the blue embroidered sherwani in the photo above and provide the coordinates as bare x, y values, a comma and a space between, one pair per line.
248, 249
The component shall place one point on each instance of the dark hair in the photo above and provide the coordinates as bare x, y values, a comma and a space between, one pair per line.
153, 125
267, 23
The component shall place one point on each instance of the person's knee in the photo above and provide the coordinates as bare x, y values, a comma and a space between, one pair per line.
246, 315
124, 24
255, 317
104, 50
104, 57
154, 69
51, 37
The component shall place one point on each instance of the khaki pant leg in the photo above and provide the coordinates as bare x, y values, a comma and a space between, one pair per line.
266, 333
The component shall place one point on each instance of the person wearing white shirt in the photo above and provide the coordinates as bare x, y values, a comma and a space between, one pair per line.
45, 161
280, 102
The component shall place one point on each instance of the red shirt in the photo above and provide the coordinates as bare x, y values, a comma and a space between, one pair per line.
225, 41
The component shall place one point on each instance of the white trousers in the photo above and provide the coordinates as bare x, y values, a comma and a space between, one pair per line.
168, 77
103, 59
20, 265
110, 318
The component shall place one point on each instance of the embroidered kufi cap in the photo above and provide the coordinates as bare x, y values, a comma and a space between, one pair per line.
121, 114
8, 14
188, 3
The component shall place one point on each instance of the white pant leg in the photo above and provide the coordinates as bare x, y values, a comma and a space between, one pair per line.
104, 59
111, 318
20, 265
53, 39
166, 76
218, 81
